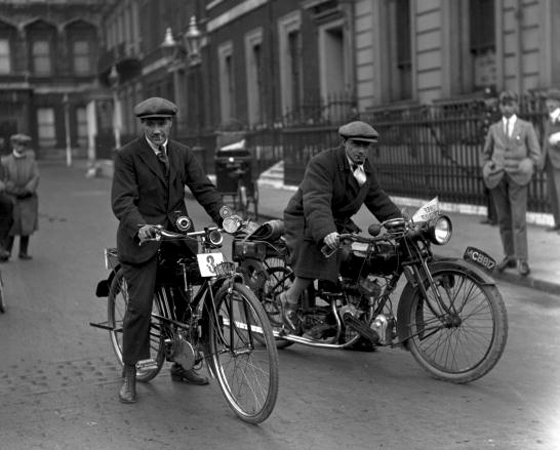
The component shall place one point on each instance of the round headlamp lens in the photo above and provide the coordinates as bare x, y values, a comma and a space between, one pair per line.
441, 231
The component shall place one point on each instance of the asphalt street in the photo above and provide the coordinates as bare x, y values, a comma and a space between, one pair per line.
59, 379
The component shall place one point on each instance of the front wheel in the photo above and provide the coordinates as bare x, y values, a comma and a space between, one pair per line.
116, 308
243, 353
461, 336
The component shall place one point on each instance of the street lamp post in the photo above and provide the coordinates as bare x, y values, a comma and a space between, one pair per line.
66, 103
114, 83
192, 40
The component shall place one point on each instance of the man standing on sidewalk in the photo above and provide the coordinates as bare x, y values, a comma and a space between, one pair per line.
551, 155
510, 154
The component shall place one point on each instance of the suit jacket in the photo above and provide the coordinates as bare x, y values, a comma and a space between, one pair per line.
326, 199
552, 151
517, 155
142, 195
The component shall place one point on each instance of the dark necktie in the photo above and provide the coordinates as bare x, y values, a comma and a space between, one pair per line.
163, 161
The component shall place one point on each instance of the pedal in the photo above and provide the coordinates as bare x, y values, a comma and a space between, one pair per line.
146, 364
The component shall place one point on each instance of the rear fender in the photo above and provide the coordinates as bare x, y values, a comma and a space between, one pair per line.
436, 266
103, 286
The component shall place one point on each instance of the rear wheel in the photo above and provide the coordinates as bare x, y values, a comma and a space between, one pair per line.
461, 338
116, 308
246, 367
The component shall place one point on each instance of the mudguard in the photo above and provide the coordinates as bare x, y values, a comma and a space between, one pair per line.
436, 266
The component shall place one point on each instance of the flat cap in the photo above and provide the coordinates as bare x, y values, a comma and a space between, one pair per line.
358, 131
553, 94
20, 138
155, 107
508, 96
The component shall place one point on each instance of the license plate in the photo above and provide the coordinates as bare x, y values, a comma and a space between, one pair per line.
207, 263
479, 258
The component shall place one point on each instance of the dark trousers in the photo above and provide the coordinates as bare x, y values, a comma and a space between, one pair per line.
553, 184
510, 199
6, 218
141, 281
23, 244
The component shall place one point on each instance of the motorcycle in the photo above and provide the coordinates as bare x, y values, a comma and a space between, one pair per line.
449, 313
202, 314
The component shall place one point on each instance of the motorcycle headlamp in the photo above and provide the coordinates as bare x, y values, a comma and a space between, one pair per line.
440, 230
215, 237
231, 224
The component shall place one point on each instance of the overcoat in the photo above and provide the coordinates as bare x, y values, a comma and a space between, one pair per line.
21, 180
325, 201
518, 154
141, 194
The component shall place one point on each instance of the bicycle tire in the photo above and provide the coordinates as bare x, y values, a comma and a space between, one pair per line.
2, 296
461, 344
116, 307
246, 369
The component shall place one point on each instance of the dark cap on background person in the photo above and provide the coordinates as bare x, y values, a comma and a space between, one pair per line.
358, 131
553, 94
508, 97
20, 138
155, 108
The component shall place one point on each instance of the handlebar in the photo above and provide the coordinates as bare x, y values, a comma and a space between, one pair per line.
212, 234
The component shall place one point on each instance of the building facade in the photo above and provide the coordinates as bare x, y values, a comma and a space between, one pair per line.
48, 74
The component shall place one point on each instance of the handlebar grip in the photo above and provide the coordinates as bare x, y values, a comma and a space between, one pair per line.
327, 251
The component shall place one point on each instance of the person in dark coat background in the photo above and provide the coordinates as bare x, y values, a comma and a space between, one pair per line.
149, 179
337, 182
21, 180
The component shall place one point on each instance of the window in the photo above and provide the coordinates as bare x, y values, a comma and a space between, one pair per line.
482, 42
290, 65
46, 127
5, 60
227, 82
41, 55
255, 85
404, 54
82, 62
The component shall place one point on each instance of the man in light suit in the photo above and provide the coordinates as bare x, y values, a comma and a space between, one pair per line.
551, 155
148, 189
511, 152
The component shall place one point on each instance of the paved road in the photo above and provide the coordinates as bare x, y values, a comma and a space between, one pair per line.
59, 380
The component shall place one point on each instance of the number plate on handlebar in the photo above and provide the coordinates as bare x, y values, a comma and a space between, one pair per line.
479, 258
207, 263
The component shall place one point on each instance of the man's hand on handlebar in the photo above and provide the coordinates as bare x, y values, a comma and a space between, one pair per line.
147, 232
332, 240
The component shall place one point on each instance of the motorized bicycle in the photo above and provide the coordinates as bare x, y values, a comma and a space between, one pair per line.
202, 314
449, 313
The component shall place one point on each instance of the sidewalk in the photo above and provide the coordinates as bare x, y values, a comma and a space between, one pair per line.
544, 248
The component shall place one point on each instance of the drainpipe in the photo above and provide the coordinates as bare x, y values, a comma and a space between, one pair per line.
519, 44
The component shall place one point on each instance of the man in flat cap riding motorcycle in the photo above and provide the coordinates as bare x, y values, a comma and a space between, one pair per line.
337, 182
148, 190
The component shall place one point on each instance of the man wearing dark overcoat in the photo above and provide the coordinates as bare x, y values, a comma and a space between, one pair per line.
148, 190
337, 182
551, 155
510, 155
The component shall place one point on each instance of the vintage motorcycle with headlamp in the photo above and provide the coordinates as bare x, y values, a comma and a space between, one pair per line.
392, 291
202, 314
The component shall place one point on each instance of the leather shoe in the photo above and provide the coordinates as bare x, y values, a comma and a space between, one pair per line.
179, 374
507, 262
553, 228
25, 256
127, 394
523, 268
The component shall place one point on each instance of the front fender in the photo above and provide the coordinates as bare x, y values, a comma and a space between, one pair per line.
436, 266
